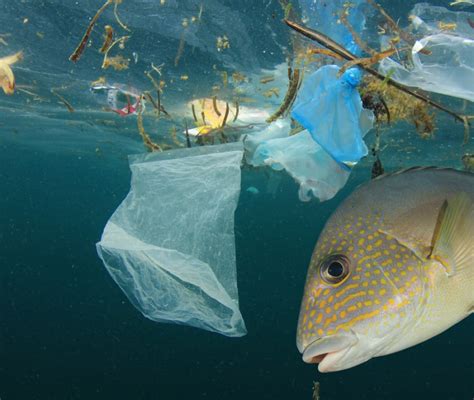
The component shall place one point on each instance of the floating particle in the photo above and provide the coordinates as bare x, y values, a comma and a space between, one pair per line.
222, 43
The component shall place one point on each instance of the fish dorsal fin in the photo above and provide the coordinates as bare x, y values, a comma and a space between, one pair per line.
452, 242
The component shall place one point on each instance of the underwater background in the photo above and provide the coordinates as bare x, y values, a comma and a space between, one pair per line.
66, 329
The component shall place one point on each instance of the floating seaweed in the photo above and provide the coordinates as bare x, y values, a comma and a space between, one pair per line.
387, 100
394, 26
108, 39
117, 2
63, 101
7, 79
293, 85
152, 146
267, 79
272, 92
118, 62
76, 55
222, 43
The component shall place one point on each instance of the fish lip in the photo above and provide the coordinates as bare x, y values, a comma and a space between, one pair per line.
319, 350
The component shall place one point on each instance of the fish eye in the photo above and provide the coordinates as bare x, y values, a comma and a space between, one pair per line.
335, 269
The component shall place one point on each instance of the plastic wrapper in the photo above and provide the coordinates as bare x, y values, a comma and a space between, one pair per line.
170, 244
317, 173
449, 69
330, 108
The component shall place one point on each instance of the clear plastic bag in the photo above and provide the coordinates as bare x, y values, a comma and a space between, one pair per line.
317, 173
449, 69
330, 108
170, 245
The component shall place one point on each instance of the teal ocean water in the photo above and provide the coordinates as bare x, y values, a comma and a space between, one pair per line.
67, 331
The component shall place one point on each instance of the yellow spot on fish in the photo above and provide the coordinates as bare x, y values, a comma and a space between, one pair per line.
371, 292
312, 313
319, 318
369, 247
328, 310
310, 325
361, 242
382, 292
326, 292
378, 243
320, 332
322, 304
342, 314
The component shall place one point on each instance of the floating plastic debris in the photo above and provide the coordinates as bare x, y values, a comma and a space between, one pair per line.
317, 173
122, 99
169, 272
330, 108
449, 69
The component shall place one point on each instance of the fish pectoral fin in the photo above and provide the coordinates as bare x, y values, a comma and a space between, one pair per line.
452, 242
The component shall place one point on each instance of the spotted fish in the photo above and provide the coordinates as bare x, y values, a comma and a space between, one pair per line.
393, 267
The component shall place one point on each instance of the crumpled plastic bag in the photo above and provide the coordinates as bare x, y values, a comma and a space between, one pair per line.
330, 108
449, 69
170, 245
317, 173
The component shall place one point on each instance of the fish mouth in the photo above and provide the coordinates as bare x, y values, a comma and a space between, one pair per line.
328, 350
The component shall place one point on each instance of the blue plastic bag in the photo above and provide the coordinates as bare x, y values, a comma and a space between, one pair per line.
330, 108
